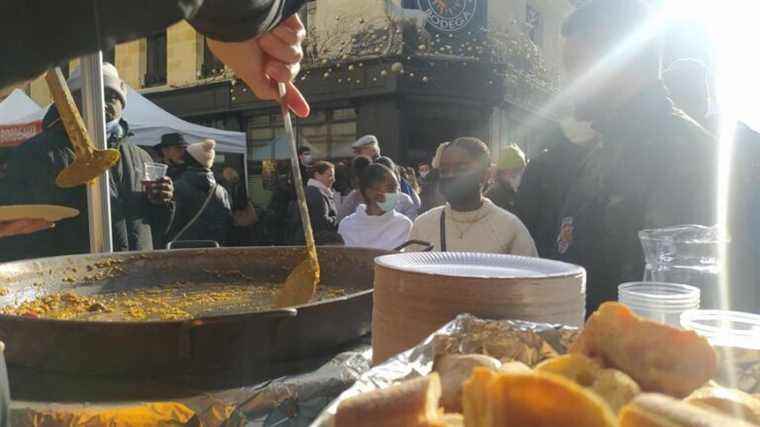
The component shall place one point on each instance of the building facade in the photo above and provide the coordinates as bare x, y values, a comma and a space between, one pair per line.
413, 72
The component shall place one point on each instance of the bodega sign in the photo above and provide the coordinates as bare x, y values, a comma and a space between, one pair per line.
449, 15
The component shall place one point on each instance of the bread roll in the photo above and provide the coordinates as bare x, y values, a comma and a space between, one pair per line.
514, 367
659, 357
454, 370
413, 403
612, 385
657, 410
732, 402
531, 400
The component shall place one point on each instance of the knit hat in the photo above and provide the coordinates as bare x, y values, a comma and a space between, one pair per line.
111, 80
365, 141
511, 157
203, 152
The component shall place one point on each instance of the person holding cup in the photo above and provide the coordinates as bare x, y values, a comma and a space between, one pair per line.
139, 207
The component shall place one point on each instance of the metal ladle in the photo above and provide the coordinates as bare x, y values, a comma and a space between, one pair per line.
301, 284
89, 162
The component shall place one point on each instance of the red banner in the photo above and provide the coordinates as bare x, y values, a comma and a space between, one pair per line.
12, 135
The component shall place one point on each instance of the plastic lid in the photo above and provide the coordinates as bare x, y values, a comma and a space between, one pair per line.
658, 294
724, 327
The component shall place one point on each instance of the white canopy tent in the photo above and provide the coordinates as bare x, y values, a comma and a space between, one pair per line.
149, 122
19, 108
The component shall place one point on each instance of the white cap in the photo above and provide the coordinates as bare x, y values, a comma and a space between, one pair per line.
111, 80
366, 140
203, 152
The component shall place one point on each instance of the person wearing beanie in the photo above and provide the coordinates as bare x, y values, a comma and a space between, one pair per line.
509, 173
140, 210
193, 188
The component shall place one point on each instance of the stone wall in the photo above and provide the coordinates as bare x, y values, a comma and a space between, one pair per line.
183, 62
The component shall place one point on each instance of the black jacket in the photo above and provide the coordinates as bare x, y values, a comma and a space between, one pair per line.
655, 168
323, 215
37, 34
191, 191
502, 195
545, 183
32, 170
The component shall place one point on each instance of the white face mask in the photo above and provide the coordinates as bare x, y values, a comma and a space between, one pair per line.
577, 132
391, 200
113, 127
307, 159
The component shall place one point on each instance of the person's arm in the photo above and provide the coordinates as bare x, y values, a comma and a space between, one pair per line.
35, 35
523, 243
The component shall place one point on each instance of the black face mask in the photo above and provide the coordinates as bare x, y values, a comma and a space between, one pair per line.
461, 188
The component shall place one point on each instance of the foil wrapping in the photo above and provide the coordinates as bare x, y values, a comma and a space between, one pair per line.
527, 342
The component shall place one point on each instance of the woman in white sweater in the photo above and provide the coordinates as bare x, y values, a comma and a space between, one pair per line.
376, 223
470, 222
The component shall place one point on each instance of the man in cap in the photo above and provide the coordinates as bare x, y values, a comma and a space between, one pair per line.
509, 173
172, 151
653, 168
367, 146
138, 209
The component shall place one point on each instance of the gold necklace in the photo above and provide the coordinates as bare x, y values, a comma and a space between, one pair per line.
470, 224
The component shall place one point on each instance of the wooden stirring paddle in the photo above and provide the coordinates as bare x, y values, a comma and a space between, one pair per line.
89, 163
301, 284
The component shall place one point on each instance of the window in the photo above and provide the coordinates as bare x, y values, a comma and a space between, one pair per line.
156, 69
329, 133
307, 13
534, 23
211, 66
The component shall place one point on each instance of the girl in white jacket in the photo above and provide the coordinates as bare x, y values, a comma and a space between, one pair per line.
376, 223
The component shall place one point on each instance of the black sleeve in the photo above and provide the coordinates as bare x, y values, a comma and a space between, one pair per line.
37, 34
319, 211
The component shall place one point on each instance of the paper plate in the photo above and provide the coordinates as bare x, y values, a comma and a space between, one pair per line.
50, 213
478, 265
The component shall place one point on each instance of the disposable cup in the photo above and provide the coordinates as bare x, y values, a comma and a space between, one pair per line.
155, 171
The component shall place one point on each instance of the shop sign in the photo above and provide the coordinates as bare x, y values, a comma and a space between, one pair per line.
449, 15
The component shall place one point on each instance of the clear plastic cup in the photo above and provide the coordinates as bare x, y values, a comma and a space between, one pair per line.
663, 302
736, 339
155, 171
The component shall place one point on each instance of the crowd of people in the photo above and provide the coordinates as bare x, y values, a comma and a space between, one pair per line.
638, 152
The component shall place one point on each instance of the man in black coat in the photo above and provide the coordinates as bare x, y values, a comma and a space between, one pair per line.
136, 211
654, 166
